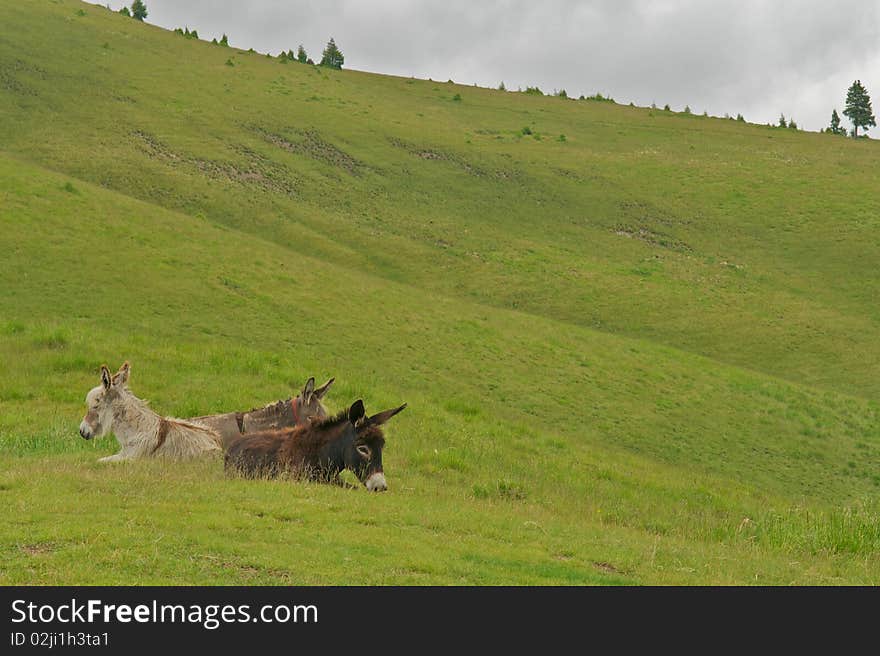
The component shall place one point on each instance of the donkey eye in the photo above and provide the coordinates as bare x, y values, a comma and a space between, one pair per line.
364, 450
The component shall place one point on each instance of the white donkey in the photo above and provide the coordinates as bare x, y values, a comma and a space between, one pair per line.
141, 432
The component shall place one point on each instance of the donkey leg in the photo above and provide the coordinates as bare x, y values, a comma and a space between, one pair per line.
116, 457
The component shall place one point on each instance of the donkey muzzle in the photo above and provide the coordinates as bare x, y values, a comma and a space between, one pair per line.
85, 430
376, 482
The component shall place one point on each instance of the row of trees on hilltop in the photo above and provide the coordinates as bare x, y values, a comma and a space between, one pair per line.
138, 10
301, 55
787, 124
858, 110
858, 103
332, 56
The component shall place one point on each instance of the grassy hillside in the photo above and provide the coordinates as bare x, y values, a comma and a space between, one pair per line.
642, 353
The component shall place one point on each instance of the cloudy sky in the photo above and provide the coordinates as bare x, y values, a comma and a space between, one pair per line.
755, 57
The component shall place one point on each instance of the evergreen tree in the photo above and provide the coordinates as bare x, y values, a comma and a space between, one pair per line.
301, 55
332, 56
835, 127
858, 108
224, 41
501, 86
782, 122
791, 124
740, 118
138, 10
125, 12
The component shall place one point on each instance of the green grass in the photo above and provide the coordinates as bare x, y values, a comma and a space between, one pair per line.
642, 354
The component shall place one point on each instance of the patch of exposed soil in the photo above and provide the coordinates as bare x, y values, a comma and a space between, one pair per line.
442, 156
314, 146
38, 548
651, 237
647, 214
9, 77
259, 172
606, 567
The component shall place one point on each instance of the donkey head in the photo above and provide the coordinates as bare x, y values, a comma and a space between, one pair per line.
308, 405
99, 418
363, 455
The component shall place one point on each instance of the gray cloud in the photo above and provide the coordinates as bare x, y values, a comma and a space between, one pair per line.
758, 58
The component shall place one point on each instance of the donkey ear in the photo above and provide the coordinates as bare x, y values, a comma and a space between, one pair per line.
309, 388
105, 377
323, 389
382, 417
356, 411
121, 377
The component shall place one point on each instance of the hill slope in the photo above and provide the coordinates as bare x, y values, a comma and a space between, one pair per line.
644, 353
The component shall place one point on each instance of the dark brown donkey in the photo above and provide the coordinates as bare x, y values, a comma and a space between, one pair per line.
318, 451
281, 414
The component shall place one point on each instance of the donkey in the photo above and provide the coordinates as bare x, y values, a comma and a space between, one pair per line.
318, 451
141, 432
281, 414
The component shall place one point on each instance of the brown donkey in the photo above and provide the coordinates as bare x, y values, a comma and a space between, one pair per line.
318, 451
281, 414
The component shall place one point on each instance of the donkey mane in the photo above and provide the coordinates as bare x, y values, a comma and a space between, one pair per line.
330, 422
318, 433
285, 413
309, 440
276, 405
